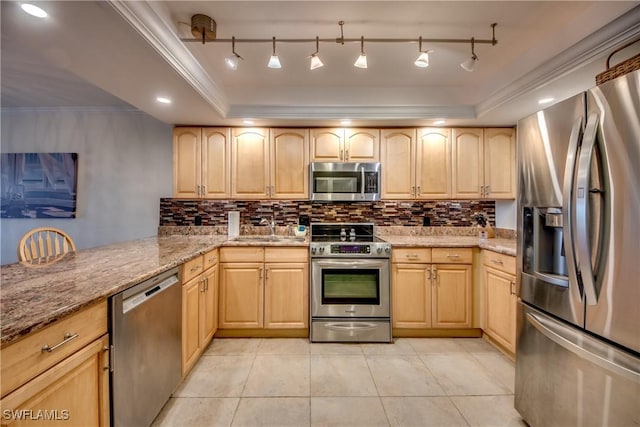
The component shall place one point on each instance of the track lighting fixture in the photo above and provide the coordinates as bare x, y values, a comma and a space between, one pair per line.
361, 62
203, 28
315, 59
232, 60
274, 61
470, 63
423, 59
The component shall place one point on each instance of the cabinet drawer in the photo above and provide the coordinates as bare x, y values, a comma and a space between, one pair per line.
452, 256
420, 255
242, 254
505, 263
286, 254
25, 359
211, 258
192, 268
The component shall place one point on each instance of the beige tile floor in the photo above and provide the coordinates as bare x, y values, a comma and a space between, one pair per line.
291, 382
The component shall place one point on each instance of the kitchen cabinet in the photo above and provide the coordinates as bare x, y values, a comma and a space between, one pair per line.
201, 160
250, 163
483, 163
69, 382
432, 288
419, 161
500, 300
199, 306
264, 288
289, 166
345, 145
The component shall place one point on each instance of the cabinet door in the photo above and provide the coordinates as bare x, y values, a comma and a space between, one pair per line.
500, 307
73, 392
327, 145
250, 163
467, 163
499, 163
411, 296
286, 296
209, 306
191, 348
451, 296
362, 145
397, 156
241, 295
433, 164
187, 162
216, 159
289, 163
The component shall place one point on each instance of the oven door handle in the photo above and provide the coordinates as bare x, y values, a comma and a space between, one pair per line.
361, 263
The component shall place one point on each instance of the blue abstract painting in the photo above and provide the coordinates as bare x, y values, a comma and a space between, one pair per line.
38, 185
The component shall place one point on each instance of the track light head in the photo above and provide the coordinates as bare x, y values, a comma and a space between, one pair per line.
361, 62
315, 59
274, 61
469, 64
233, 59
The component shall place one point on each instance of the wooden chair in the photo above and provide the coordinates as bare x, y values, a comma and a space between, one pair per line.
44, 243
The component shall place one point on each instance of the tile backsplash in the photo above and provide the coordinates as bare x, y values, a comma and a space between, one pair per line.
435, 213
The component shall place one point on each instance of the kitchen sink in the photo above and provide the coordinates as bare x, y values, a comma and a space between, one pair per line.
269, 239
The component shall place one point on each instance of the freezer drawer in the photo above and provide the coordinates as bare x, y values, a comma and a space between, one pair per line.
565, 377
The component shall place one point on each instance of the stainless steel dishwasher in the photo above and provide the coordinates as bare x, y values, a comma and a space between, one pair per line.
146, 349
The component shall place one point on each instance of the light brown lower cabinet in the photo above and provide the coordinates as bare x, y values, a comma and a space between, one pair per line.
500, 300
427, 295
74, 392
199, 307
264, 288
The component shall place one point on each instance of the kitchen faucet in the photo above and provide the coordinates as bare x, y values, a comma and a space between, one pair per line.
271, 224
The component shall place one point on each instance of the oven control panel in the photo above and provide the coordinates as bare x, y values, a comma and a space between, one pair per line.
350, 249
353, 250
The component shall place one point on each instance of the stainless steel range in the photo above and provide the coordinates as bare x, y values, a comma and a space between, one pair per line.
350, 284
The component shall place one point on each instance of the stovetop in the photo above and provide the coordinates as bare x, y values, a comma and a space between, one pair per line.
347, 240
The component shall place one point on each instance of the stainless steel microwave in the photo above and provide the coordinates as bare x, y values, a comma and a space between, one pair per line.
344, 181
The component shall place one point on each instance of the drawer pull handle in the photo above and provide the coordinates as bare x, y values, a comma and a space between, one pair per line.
212, 260
67, 337
497, 261
196, 268
453, 256
412, 256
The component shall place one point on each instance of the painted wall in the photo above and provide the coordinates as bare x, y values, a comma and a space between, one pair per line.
124, 168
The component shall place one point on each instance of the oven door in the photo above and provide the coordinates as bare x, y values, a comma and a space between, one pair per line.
350, 287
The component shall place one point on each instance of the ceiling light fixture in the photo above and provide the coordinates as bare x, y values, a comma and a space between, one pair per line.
545, 100
204, 31
247, 122
423, 59
34, 10
361, 62
315, 59
470, 63
232, 60
439, 122
163, 100
274, 61
345, 122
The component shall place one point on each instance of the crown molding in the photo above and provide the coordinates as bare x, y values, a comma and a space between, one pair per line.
71, 109
352, 112
601, 42
144, 18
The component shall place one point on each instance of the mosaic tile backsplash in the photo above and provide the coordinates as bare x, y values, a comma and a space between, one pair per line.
451, 213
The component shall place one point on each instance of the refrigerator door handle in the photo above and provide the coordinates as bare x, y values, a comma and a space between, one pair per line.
582, 209
568, 200
575, 343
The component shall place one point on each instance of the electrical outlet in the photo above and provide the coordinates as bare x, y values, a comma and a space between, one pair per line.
198, 220
303, 220
426, 221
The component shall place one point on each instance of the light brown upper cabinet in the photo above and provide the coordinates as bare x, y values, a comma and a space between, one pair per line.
499, 163
201, 162
289, 149
416, 164
345, 145
270, 163
483, 163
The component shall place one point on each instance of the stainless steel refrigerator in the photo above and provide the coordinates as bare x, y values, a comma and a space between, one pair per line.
578, 264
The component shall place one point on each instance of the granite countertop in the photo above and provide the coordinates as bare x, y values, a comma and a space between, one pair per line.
32, 297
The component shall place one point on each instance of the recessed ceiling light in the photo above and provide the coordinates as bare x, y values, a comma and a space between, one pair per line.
545, 100
439, 122
33, 10
163, 100
247, 122
345, 122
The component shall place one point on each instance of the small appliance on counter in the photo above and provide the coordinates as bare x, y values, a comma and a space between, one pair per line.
350, 284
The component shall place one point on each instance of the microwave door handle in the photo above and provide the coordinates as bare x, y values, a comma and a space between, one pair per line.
569, 200
362, 179
582, 209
